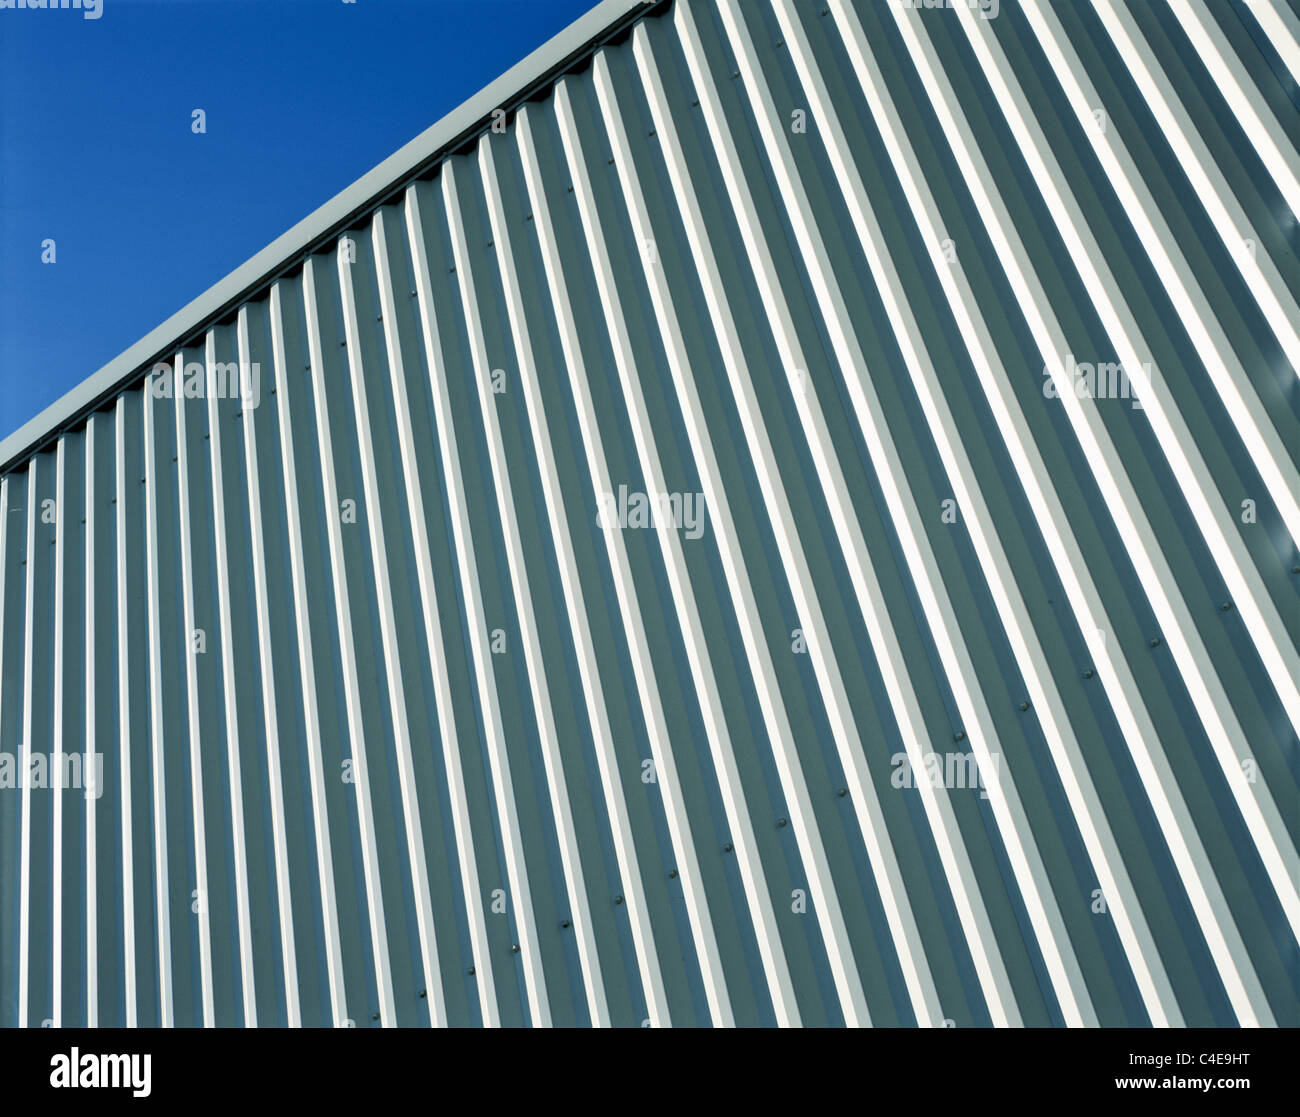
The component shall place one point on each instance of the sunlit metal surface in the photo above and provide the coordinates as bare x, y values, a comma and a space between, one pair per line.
793, 524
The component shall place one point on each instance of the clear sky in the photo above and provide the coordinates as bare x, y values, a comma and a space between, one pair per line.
97, 150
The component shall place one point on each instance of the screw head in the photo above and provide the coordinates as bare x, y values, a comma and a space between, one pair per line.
422, 993
565, 924
1155, 641
843, 791
1088, 673
471, 971
1024, 705
1226, 606
672, 874
726, 848
960, 735
374, 1016
514, 948
618, 899
782, 822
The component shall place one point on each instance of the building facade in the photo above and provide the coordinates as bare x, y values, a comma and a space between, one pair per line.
776, 512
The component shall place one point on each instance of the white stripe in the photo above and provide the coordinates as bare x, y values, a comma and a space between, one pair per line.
570, 855
1022, 851
1260, 615
1175, 820
884, 640
192, 693
570, 581
288, 950
348, 656
467, 860
55, 777
124, 720
230, 690
1248, 106
24, 768
835, 937
307, 669
476, 623
1282, 26
388, 627
162, 895
1208, 182
92, 792
1226, 373
999, 574
697, 908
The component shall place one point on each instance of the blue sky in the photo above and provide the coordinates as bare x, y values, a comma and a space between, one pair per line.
97, 153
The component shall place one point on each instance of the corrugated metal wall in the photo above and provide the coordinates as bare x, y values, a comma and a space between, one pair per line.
398, 727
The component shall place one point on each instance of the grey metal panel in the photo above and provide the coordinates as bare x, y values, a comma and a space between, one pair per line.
451, 749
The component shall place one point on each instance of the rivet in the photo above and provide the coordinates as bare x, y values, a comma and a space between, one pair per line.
672, 874
529, 217
735, 73
652, 131
565, 924
618, 899
695, 104
422, 993
782, 822
514, 948
780, 43
1024, 705
451, 271
374, 1016
471, 971
843, 792
1155, 641
412, 294
1088, 673
1226, 606
611, 162
959, 736
726, 848
1295, 570
379, 317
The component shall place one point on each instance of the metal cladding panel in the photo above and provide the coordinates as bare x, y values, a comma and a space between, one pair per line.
798, 526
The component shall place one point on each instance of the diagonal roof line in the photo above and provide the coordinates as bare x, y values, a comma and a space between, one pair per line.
577, 41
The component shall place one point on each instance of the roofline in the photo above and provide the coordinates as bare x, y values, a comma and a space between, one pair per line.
604, 21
